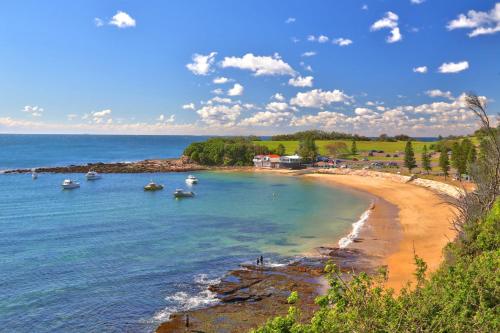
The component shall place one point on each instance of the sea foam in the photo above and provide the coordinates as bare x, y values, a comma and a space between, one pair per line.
356, 228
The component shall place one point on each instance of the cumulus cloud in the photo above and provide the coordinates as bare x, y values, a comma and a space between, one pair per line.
342, 41
453, 67
202, 64
299, 81
189, 106
439, 93
417, 2
420, 70
278, 97
280, 107
319, 39
236, 90
318, 98
217, 91
290, 20
259, 65
99, 117
220, 114
389, 21
222, 100
98, 22
122, 20
267, 118
163, 119
309, 54
481, 23
35, 111
221, 80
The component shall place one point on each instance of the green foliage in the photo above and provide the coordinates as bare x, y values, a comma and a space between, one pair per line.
426, 160
318, 135
409, 160
354, 148
337, 148
280, 150
224, 151
462, 296
307, 149
444, 161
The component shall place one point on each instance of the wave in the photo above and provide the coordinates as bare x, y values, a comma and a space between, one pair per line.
356, 228
183, 301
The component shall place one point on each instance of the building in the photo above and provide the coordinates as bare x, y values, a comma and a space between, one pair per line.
291, 162
267, 161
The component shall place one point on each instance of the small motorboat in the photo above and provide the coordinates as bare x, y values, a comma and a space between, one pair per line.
191, 179
92, 175
34, 175
152, 186
179, 193
69, 184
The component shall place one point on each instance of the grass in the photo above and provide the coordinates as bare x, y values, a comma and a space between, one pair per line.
363, 146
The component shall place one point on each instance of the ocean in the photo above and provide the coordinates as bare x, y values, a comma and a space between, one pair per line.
109, 257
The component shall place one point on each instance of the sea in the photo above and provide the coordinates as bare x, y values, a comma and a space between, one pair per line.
110, 257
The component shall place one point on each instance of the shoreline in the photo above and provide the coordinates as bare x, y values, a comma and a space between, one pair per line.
402, 218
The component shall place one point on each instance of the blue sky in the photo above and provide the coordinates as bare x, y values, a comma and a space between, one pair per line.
135, 67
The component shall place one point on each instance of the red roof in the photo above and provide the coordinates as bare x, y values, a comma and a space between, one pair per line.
273, 156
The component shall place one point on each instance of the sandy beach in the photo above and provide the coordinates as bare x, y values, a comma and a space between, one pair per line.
420, 223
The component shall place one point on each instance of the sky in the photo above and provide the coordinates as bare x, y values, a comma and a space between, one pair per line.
258, 67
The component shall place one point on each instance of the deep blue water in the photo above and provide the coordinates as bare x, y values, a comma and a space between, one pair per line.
109, 257
36, 150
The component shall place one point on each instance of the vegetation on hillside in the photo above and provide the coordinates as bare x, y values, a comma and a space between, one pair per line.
463, 295
318, 135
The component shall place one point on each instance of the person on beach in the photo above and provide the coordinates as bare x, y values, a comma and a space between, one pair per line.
258, 261
262, 260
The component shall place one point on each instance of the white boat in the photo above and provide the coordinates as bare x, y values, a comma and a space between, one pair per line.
191, 179
152, 186
68, 184
34, 175
92, 175
179, 193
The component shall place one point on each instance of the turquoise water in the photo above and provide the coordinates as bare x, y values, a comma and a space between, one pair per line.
109, 257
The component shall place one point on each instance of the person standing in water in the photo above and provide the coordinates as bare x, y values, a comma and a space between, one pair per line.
262, 260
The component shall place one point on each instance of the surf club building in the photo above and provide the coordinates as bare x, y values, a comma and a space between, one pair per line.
273, 161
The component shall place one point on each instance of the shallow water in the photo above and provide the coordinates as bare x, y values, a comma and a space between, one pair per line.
109, 257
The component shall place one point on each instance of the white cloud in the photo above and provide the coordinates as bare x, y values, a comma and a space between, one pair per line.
122, 20
453, 67
363, 111
99, 117
202, 64
35, 111
300, 81
364, 7
98, 22
421, 69
267, 118
260, 65
236, 90
309, 54
220, 114
280, 107
217, 91
318, 98
439, 93
72, 116
417, 2
221, 80
220, 100
189, 106
306, 67
389, 21
163, 119
278, 97
290, 20
319, 39
482, 23
342, 41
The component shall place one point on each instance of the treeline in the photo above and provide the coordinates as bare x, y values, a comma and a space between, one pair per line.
461, 296
238, 151
318, 135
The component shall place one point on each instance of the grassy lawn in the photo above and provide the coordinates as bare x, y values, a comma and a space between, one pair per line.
363, 146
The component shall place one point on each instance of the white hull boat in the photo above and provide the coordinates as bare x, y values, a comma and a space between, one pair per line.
183, 194
68, 184
191, 180
92, 175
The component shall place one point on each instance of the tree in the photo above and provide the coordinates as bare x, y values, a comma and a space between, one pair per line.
337, 148
444, 161
426, 160
354, 149
409, 161
280, 150
307, 149
471, 159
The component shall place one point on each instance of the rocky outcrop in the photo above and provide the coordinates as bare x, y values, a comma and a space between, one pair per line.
147, 166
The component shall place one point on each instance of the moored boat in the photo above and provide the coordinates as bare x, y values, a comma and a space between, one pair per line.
191, 179
69, 184
180, 193
152, 186
34, 175
92, 175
